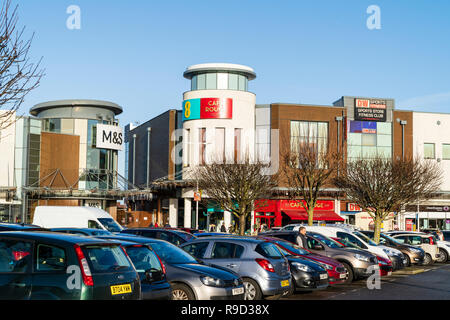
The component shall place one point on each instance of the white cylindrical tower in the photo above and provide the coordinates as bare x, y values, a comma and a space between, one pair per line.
218, 114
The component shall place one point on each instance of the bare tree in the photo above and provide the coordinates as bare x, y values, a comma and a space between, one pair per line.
235, 187
18, 76
308, 166
381, 185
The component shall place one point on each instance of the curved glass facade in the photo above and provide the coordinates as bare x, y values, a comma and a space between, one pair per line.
219, 81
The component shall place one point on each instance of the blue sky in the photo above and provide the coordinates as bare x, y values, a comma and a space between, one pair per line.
134, 52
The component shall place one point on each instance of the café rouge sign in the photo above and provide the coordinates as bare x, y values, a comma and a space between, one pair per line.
208, 108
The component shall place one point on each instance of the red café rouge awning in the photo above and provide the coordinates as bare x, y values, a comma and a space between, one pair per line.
318, 215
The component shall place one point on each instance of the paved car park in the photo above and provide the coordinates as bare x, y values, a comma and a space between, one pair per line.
412, 283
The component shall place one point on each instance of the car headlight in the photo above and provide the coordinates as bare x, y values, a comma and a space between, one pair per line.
362, 258
414, 250
212, 282
301, 267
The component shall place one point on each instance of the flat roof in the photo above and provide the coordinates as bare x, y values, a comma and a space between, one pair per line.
38, 108
217, 67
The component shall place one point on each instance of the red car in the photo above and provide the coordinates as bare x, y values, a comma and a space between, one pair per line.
337, 273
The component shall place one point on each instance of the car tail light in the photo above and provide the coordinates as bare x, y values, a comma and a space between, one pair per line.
162, 264
266, 265
432, 241
85, 271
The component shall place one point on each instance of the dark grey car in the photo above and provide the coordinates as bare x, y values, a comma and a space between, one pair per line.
263, 268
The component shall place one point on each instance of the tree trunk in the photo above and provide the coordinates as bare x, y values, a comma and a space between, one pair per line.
310, 215
242, 221
377, 230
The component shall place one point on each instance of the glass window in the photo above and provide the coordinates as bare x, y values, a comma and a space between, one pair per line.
144, 259
384, 140
384, 128
269, 250
233, 81
237, 145
354, 139
354, 151
222, 81
428, 150
50, 258
202, 147
14, 256
242, 83
106, 258
194, 83
67, 126
220, 145
351, 239
93, 225
211, 81
226, 250
172, 254
369, 152
446, 151
110, 224
415, 240
196, 249
201, 82
369, 140
385, 152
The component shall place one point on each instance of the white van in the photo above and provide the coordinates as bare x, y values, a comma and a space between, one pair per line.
74, 217
354, 237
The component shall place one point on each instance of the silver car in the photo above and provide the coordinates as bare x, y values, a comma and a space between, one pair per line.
262, 267
190, 279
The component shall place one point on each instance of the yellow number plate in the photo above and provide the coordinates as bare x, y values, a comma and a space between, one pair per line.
285, 283
124, 288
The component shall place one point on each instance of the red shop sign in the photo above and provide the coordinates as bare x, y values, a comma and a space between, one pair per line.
321, 205
216, 108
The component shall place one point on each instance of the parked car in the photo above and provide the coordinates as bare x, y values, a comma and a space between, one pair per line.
74, 217
19, 227
211, 234
422, 240
356, 262
151, 270
189, 278
444, 246
361, 240
446, 235
337, 273
44, 266
175, 237
81, 231
263, 268
413, 254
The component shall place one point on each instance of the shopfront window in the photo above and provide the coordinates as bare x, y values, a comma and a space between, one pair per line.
429, 151
446, 151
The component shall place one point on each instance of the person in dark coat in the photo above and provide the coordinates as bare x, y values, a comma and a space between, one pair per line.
151, 225
222, 228
301, 238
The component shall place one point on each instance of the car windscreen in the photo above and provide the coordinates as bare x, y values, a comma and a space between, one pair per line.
143, 258
365, 238
172, 254
100, 232
329, 242
349, 244
268, 250
292, 247
106, 258
110, 224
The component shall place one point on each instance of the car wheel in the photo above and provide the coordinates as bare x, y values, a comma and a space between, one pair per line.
182, 292
443, 257
408, 261
351, 275
252, 290
427, 260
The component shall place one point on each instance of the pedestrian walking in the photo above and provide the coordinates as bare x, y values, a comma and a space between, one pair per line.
301, 238
151, 225
156, 225
222, 228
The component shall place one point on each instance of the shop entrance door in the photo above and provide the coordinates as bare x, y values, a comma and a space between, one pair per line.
269, 222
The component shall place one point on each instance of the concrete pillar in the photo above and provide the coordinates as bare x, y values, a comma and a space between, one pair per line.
173, 212
187, 212
227, 219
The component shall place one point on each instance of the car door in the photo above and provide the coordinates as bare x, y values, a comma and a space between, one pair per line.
316, 246
15, 269
226, 254
49, 275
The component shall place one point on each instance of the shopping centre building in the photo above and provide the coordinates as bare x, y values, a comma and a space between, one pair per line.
221, 120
